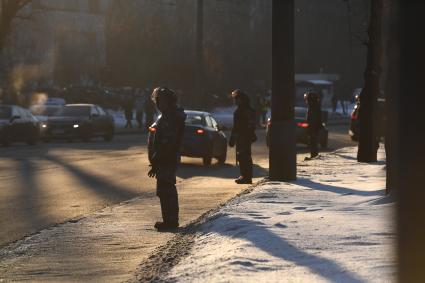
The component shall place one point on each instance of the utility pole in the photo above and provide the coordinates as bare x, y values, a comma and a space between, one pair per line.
282, 155
199, 60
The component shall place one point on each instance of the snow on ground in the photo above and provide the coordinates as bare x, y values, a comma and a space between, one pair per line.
331, 225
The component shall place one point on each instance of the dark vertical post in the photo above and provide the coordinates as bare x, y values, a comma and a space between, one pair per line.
199, 71
282, 156
411, 195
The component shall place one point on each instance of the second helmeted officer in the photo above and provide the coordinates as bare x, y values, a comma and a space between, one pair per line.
243, 135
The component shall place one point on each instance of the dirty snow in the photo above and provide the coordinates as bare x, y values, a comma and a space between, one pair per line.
332, 225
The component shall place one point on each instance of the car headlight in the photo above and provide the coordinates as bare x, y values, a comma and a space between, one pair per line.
76, 126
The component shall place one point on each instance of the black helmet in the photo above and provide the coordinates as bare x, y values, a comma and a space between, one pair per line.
164, 92
311, 97
237, 93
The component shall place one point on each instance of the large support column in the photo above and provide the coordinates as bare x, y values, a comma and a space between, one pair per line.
282, 156
411, 166
199, 71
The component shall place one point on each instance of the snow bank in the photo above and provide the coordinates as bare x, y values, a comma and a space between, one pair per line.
326, 227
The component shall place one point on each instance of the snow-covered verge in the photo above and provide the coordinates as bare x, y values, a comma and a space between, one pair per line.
331, 225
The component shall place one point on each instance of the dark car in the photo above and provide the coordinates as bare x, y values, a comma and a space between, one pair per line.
355, 122
79, 121
202, 138
18, 125
302, 128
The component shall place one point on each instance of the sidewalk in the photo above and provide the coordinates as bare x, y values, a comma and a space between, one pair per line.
332, 225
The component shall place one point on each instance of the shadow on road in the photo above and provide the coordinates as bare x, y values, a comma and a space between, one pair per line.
227, 171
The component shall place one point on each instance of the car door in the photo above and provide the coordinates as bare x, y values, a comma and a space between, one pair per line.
95, 121
221, 137
214, 135
17, 127
103, 120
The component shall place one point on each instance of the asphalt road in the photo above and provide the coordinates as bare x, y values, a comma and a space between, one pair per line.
47, 184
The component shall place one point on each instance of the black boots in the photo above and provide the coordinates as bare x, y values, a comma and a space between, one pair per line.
166, 226
243, 180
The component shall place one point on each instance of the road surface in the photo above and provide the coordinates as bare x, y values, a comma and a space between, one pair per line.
47, 184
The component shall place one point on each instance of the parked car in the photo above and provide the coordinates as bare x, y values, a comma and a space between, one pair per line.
18, 125
43, 111
302, 128
79, 121
355, 122
202, 138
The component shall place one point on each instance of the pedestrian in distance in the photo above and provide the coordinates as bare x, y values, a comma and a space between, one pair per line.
314, 121
264, 109
128, 111
166, 155
149, 110
243, 135
139, 105
258, 108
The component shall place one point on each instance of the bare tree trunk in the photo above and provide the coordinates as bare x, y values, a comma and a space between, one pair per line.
368, 144
391, 89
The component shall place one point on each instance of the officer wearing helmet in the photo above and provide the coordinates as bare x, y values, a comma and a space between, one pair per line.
243, 135
166, 155
314, 121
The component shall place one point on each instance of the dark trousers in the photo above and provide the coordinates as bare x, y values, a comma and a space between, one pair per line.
167, 193
314, 141
243, 156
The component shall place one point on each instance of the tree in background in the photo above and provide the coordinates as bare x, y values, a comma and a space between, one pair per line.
8, 11
368, 140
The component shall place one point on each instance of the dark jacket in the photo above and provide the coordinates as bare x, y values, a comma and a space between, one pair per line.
314, 117
243, 125
168, 138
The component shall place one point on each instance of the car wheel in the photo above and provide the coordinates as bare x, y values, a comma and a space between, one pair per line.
86, 138
33, 140
207, 160
222, 158
109, 136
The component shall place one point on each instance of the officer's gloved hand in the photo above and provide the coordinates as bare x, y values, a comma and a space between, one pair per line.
152, 173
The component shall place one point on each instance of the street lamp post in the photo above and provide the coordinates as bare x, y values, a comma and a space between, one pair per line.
282, 156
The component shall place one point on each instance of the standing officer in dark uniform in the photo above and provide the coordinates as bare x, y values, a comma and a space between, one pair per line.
314, 121
243, 135
166, 155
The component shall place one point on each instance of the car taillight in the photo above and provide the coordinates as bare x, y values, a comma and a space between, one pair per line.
354, 115
152, 130
302, 125
200, 131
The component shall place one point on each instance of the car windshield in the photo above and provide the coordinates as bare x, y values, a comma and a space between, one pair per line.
72, 111
192, 119
45, 110
5, 112
300, 112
